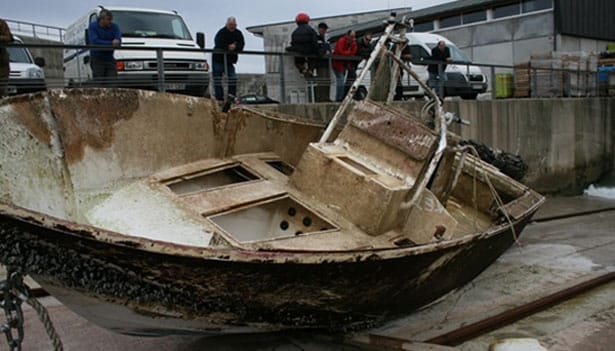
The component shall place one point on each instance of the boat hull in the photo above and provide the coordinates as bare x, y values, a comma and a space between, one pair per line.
135, 291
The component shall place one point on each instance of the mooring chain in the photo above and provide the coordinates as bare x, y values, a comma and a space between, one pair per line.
11, 304
14, 292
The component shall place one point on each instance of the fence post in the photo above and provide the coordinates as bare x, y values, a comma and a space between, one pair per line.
493, 92
282, 81
533, 77
441, 74
160, 62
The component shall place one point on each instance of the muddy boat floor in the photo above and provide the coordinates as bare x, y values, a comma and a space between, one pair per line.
557, 251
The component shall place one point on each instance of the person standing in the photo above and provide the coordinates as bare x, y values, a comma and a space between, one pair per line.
364, 46
323, 71
104, 32
442, 54
5, 68
345, 46
229, 42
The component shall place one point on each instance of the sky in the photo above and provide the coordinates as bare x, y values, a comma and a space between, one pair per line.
206, 15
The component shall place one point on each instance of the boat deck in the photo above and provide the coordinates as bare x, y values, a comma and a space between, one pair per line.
246, 202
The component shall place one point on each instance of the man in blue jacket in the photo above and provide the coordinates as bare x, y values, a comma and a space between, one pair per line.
104, 32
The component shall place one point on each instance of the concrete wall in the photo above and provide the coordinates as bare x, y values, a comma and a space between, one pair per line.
567, 143
568, 43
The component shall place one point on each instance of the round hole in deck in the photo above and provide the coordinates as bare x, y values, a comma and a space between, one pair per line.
292, 211
298, 232
307, 221
284, 225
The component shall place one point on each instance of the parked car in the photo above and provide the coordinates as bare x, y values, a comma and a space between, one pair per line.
184, 71
251, 99
27, 74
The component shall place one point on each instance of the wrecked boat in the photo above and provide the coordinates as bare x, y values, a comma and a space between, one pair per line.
151, 213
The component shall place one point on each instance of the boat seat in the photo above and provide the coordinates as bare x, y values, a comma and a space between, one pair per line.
367, 173
359, 188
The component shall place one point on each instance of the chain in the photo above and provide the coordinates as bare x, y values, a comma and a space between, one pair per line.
14, 293
11, 304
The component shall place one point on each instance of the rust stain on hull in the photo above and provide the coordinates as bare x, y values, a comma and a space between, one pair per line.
30, 111
80, 130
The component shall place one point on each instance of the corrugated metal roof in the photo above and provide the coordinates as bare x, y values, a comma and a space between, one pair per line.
259, 29
587, 19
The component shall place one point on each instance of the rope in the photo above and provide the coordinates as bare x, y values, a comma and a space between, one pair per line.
494, 192
43, 316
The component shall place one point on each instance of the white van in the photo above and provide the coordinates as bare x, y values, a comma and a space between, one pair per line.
465, 80
184, 71
26, 74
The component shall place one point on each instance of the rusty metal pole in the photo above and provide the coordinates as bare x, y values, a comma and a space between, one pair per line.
467, 332
346, 102
493, 87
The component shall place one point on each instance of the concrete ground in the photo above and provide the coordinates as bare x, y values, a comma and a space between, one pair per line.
553, 253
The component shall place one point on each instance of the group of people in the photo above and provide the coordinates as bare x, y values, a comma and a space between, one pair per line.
316, 51
313, 61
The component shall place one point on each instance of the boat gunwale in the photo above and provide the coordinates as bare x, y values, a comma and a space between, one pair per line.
240, 255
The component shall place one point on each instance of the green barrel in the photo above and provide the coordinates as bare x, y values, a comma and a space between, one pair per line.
503, 85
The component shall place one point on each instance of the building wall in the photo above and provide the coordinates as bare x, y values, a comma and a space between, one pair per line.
506, 41
513, 40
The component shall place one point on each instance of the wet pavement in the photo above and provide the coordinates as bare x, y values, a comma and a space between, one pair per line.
559, 250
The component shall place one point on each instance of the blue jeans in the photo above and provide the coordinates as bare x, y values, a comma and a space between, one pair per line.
218, 68
339, 84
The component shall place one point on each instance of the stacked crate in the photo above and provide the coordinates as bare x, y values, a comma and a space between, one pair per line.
522, 80
547, 79
557, 74
581, 69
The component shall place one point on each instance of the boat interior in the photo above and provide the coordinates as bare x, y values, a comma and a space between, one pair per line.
174, 169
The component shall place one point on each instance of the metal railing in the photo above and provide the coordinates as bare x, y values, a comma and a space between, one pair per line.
286, 84
36, 30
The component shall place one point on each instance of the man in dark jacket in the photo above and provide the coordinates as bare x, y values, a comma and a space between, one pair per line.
365, 46
5, 38
437, 72
304, 40
228, 42
104, 32
323, 69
